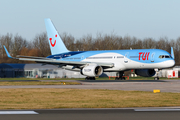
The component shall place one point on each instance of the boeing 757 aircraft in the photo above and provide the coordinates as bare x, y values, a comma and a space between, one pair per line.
145, 62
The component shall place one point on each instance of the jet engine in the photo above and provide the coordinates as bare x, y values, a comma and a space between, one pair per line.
92, 70
145, 72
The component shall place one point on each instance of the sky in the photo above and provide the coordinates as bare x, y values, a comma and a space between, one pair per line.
135, 18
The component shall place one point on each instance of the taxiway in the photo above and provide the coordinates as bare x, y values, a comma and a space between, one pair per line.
128, 85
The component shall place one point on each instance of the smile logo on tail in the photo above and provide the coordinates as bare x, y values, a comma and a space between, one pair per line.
51, 41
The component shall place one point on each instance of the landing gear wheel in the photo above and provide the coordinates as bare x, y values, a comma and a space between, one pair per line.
120, 76
156, 78
93, 78
123, 78
90, 78
157, 74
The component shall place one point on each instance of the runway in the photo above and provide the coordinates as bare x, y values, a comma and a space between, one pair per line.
105, 114
97, 114
128, 85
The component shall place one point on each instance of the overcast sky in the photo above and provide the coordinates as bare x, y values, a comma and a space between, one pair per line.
135, 18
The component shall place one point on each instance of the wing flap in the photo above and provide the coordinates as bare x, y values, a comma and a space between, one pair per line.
54, 61
33, 57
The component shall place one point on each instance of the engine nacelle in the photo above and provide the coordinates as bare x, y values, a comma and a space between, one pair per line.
145, 72
92, 70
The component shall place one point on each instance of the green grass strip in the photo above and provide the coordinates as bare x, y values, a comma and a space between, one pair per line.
77, 98
38, 83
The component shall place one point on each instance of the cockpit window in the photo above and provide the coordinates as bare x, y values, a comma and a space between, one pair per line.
164, 56
167, 56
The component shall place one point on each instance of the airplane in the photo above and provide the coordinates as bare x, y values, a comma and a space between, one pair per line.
145, 62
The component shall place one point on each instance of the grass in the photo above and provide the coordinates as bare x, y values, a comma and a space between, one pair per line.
77, 98
38, 83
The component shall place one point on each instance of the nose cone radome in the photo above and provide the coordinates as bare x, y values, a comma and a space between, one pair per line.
170, 63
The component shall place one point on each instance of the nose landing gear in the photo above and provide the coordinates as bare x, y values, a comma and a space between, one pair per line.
156, 78
157, 73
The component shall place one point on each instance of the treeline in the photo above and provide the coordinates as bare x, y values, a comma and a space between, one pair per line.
39, 46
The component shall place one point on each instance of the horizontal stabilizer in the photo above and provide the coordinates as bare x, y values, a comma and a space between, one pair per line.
8, 53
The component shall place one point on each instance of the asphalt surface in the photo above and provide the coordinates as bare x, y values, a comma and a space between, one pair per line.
105, 114
128, 85
96, 114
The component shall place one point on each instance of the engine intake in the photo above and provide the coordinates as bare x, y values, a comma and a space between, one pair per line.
92, 70
145, 72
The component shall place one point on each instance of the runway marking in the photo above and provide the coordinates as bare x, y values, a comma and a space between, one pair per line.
149, 110
17, 112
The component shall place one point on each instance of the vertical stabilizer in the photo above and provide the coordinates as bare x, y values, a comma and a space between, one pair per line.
172, 52
56, 44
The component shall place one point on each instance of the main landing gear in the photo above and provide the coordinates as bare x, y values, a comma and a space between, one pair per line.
120, 76
90, 78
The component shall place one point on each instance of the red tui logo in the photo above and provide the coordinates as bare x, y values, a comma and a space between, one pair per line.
145, 55
54, 41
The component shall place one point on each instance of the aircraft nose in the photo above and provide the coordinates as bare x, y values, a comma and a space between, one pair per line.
171, 63
168, 63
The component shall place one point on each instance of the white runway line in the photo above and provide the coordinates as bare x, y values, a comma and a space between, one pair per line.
149, 110
17, 112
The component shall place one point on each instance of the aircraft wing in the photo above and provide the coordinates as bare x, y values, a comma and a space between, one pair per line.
54, 61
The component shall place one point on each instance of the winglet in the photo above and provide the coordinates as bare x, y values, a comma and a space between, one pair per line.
7, 52
172, 52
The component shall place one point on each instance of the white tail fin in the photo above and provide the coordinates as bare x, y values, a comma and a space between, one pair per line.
56, 44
